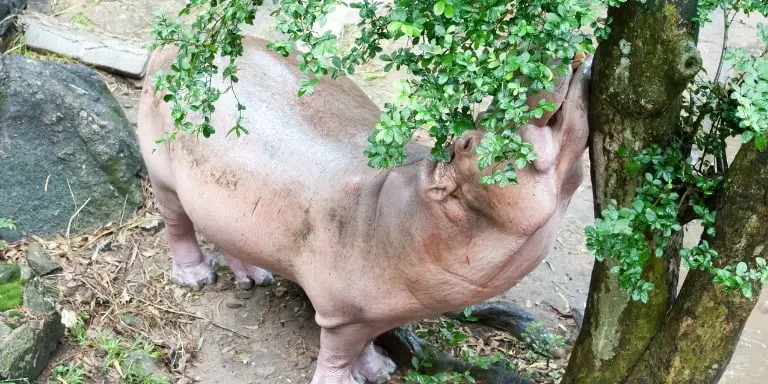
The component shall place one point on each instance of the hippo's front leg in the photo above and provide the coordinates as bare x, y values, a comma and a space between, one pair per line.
347, 356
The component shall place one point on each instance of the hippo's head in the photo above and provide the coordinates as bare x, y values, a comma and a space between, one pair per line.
558, 138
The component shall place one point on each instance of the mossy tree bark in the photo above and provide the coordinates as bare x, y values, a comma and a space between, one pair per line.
639, 74
704, 326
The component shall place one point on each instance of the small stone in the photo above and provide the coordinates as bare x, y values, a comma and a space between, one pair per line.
303, 362
4, 331
129, 319
142, 364
280, 291
9, 272
35, 298
234, 303
265, 371
40, 260
27, 350
68, 318
152, 225
26, 272
529, 304
179, 293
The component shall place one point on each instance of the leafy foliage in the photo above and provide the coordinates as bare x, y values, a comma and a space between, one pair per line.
415, 377
542, 341
674, 186
459, 52
72, 373
6, 223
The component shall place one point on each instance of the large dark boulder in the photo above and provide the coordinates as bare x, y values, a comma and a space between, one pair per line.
63, 140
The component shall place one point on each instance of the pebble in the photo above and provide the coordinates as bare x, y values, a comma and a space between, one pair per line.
265, 371
303, 362
234, 303
280, 291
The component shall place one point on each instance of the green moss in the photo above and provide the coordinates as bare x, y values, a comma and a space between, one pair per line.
10, 295
113, 175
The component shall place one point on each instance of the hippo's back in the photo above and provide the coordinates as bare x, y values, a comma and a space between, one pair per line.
338, 116
296, 136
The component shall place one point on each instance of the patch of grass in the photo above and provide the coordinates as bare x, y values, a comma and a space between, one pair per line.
10, 295
133, 362
73, 373
82, 19
130, 360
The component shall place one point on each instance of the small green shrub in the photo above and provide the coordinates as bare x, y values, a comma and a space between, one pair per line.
73, 373
541, 340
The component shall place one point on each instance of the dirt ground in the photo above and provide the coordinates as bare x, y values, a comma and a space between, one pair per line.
275, 338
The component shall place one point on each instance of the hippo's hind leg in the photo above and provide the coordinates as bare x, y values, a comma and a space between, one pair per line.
347, 356
248, 275
191, 267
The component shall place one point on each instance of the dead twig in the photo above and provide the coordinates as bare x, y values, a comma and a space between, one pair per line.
190, 314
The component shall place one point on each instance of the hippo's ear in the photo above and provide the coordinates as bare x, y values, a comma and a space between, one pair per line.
442, 183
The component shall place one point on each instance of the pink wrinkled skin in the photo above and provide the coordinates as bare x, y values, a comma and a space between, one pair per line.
372, 248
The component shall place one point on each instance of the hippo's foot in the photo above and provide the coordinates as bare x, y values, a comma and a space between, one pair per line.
347, 356
195, 275
248, 275
373, 366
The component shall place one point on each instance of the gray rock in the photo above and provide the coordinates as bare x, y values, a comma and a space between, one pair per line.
233, 303
37, 299
143, 366
4, 331
8, 272
26, 272
8, 7
63, 137
129, 320
26, 351
40, 260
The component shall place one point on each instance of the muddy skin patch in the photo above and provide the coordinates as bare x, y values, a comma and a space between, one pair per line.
302, 235
225, 179
337, 220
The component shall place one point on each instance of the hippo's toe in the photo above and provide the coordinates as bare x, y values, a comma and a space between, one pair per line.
195, 276
248, 276
374, 365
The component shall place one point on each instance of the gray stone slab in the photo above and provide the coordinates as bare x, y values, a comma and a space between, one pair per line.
112, 54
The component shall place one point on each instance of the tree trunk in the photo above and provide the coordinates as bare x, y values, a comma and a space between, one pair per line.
639, 73
702, 329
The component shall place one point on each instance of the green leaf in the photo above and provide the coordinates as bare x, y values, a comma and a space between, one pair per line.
741, 268
439, 8
449, 10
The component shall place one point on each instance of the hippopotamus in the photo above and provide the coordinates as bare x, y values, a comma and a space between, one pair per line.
372, 249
